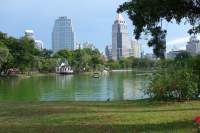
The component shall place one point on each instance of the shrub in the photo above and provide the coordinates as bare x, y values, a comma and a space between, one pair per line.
172, 84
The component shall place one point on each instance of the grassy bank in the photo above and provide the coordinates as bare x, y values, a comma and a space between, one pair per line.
98, 117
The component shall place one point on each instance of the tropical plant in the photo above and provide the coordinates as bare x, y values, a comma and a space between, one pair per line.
174, 84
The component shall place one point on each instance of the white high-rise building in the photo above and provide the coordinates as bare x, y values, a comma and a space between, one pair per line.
193, 46
63, 34
135, 50
78, 45
120, 40
39, 44
30, 34
89, 45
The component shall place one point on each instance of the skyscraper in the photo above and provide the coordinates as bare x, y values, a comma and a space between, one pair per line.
108, 52
63, 34
29, 34
120, 41
193, 46
39, 44
78, 45
89, 45
135, 48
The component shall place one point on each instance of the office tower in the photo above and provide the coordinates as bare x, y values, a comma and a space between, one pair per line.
108, 52
30, 34
39, 44
78, 45
120, 41
193, 46
89, 45
63, 34
135, 48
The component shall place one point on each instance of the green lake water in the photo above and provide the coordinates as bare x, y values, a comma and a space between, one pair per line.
113, 86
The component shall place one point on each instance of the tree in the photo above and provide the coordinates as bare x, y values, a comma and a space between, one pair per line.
47, 65
46, 53
170, 84
86, 60
4, 52
111, 64
22, 54
196, 68
3, 36
23, 51
66, 54
183, 59
147, 17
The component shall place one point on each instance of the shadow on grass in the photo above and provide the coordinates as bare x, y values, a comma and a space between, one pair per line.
106, 105
52, 111
173, 127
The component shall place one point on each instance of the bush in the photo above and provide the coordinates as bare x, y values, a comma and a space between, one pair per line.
196, 68
172, 84
47, 65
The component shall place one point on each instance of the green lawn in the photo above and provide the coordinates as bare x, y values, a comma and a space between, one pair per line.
98, 117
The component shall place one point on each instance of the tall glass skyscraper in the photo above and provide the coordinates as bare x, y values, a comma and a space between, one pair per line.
63, 34
120, 40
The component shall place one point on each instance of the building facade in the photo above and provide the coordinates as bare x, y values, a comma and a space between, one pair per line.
63, 34
108, 52
193, 46
173, 54
135, 50
89, 45
30, 35
120, 40
39, 44
78, 45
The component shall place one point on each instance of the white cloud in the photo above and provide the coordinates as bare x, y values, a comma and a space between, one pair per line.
179, 43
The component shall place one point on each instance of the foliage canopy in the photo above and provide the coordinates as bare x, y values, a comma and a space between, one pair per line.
147, 17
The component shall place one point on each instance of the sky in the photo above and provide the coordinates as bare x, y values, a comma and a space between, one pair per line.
91, 19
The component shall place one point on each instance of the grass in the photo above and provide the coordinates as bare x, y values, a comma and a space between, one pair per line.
98, 117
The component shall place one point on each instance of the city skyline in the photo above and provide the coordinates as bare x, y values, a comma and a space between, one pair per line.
92, 21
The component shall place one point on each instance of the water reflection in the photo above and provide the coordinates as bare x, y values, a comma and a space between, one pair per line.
114, 86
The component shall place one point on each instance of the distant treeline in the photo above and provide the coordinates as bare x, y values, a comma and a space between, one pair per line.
131, 62
21, 54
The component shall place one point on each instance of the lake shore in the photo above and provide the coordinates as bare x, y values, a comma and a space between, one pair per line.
89, 117
39, 74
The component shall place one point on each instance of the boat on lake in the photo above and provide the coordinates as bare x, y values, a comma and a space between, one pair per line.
64, 69
96, 75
